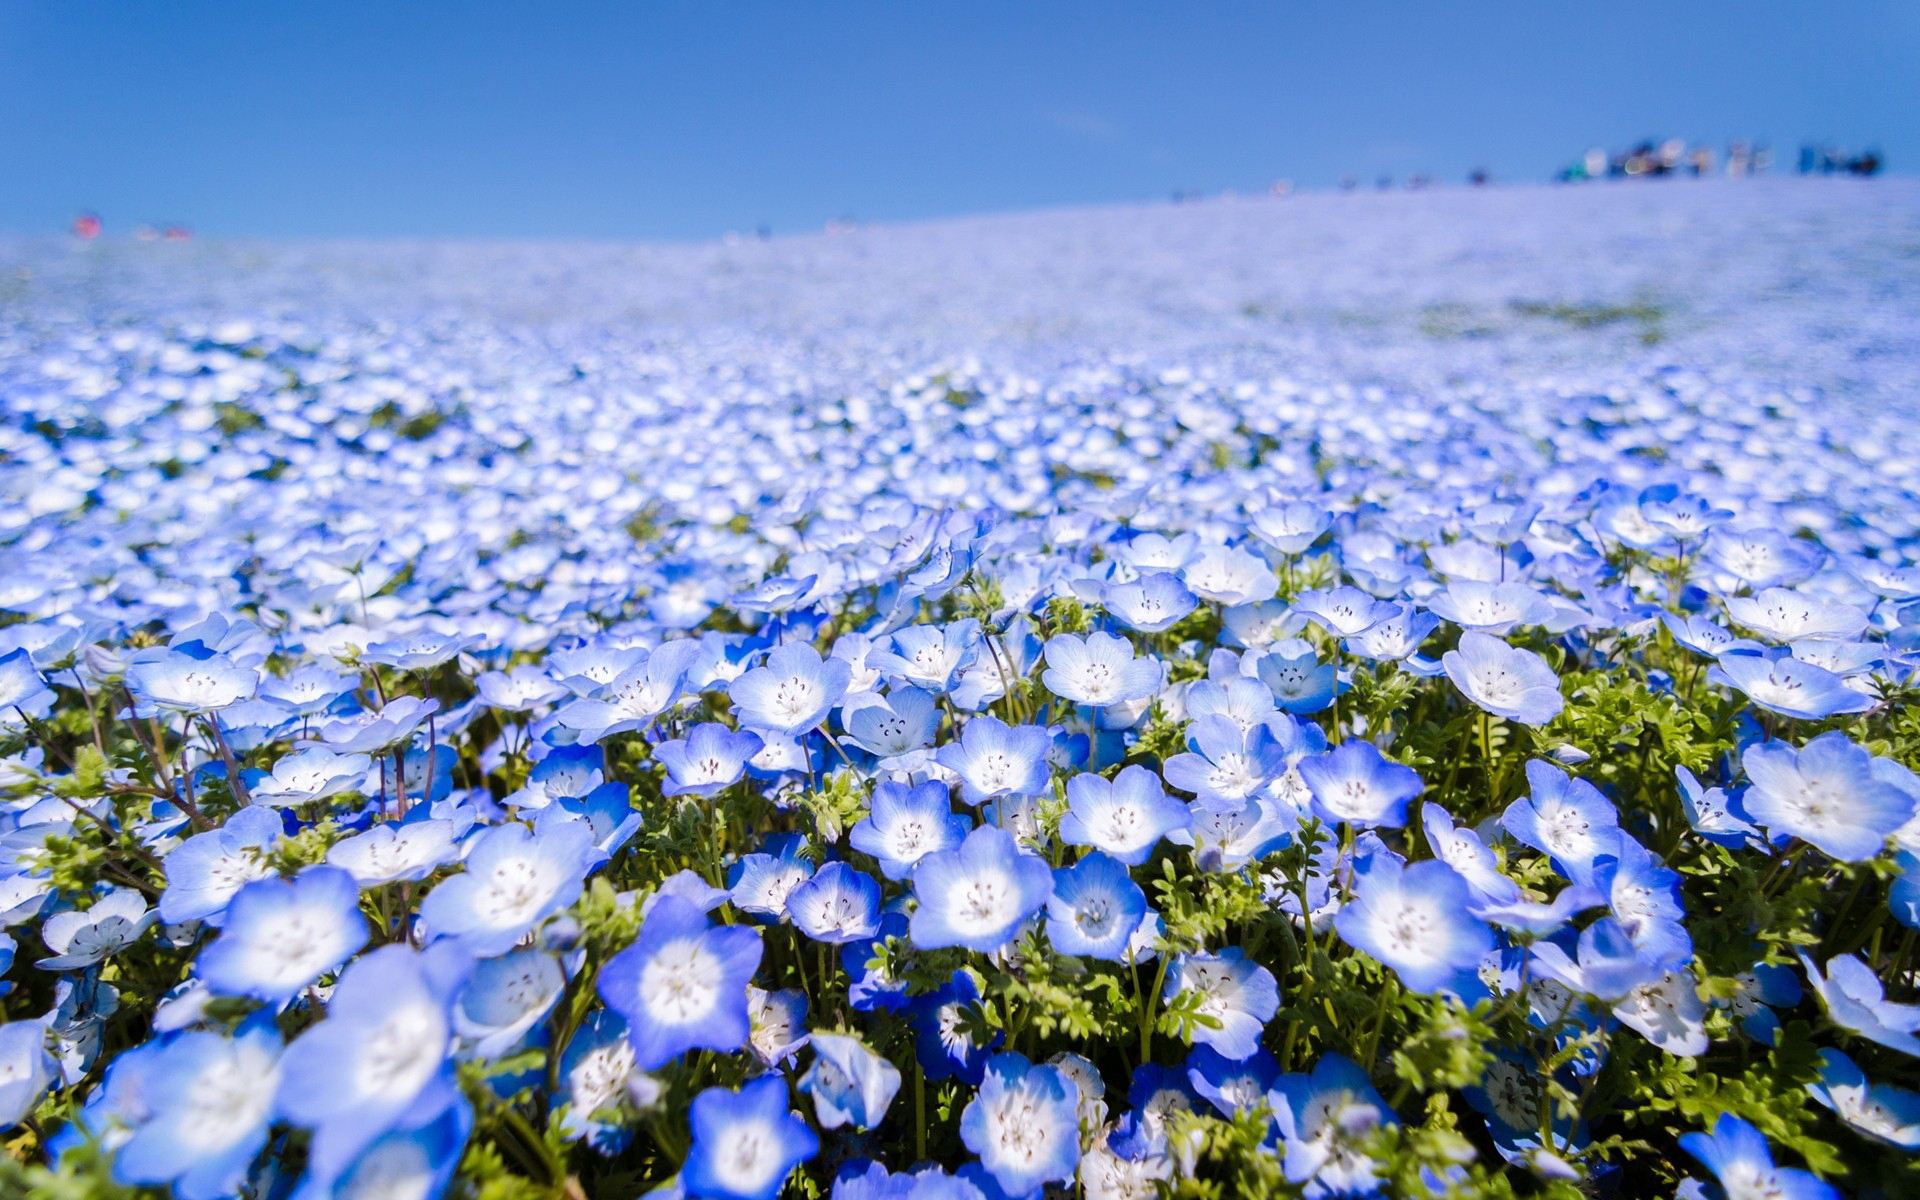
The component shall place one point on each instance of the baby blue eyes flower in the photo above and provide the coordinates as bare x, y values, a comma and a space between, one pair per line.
995, 759
1290, 527
1856, 1001
188, 679
1742, 1163
1095, 908
976, 896
850, 1084
1715, 816
1825, 793
504, 998
793, 693
1237, 996
26, 1068
1780, 615
745, 1143
1322, 1119
1023, 1124
1098, 670
1150, 604
83, 939
838, 905
380, 730
709, 758
1230, 575
907, 824
762, 882
208, 869
1491, 608
1125, 817
1565, 818
1301, 683
1225, 763
900, 723
1889, 1114
931, 657
281, 935
1416, 920
314, 773
1788, 686
211, 1102
1507, 681
1355, 784
390, 852
515, 878
682, 985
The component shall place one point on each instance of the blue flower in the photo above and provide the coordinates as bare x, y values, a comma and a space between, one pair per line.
1396, 636
995, 759
745, 1143
1098, 670
1609, 966
683, 984
281, 935
1301, 683
1237, 996
84, 939
1714, 815
930, 656
1507, 681
504, 998
26, 1068
1416, 920
1741, 1161
207, 870
1856, 1001
1780, 615
1788, 686
976, 896
709, 758
1825, 793
1645, 897
515, 879
1565, 818
793, 693
380, 1061
1290, 527
1881, 1111
188, 679
1323, 1119
210, 1100
1232, 1086
1125, 817
1668, 1012
407, 1161
838, 905
907, 824
1491, 608
1355, 784
850, 1084
891, 726
595, 1068
1465, 852
778, 1026
315, 773
762, 881
1095, 908
943, 1030
1224, 762
1023, 1124
1150, 604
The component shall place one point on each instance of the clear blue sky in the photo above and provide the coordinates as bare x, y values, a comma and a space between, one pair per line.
544, 118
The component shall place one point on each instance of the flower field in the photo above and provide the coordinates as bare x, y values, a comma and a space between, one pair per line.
1401, 694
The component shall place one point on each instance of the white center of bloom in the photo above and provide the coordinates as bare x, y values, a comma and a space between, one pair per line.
293, 948
795, 699
513, 892
402, 1053
395, 1169
597, 1078
982, 904
230, 1099
680, 984
747, 1158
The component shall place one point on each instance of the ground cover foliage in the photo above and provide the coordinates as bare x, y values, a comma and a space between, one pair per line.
1400, 695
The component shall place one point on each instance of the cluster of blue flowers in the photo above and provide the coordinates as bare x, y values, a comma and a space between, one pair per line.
518, 765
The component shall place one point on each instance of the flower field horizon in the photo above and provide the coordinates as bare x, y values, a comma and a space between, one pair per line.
1398, 694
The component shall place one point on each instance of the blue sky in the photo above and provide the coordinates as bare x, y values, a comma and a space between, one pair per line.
685, 120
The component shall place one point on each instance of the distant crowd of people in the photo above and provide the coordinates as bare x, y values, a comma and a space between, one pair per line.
1674, 156
88, 226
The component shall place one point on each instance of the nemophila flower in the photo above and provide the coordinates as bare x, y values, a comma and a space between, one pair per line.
1762, 557
391, 852
1343, 611
421, 651
503, 998
1507, 681
1491, 608
566, 771
515, 878
907, 824
21, 684
1714, 815
595, 1070
763, 881
1225, 763
1290, 527
1226, 836
208, 869
777, 1024
1466, 853
380, 1059
1356, 785
380, 730
1150, 604
1780, 615
745, 1142
1125, 817
519, 689
188, 679
26, 1069
1668, 1012
1881, 1111
1023, 1124
1825, 793
1230, 575
943, 1023
1098, 670
995, 759
281, 935
1703, 636
1095, 908
1396, 636
1415, 920
709, 758
1238, 995
1242, 699
1856, 1001
930, 656
1682, 515
1788, 686
682, 985
585, 669
634, 697
792, 693
1742, 1163
838, 905
315, 773
1323, 1120
1645, 897
408, 1161
1565, 818
1757, 992
1232, 1086
1903, 894
1258, 626
1300, 683
1609, 966
850, 1084
84, 939
977, 895
209, 1102
891, 726
306, 691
